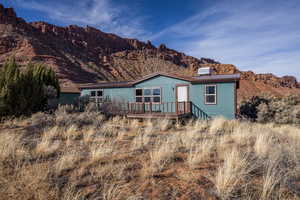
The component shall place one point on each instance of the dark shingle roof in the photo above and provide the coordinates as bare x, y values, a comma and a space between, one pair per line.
195, 79
216, 77
69, 90
107, 85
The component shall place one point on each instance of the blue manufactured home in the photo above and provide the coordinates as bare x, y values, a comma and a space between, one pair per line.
166, 95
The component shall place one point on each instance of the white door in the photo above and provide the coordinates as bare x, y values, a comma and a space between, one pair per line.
182, 98
182, 93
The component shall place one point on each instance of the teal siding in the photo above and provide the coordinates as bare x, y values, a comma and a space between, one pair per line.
168, 91
225, 96
85, 92
225, 100
119, 94
114, 94
168, 86
67, 98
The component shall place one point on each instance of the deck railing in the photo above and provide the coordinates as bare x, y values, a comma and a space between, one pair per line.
172, 108
142, 108
164, 107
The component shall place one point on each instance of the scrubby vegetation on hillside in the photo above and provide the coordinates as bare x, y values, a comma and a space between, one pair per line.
72, 155
280, 110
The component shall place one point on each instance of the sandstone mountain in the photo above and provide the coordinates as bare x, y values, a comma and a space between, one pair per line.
85, 55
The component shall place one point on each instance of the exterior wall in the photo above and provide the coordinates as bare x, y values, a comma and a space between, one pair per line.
120, 94
168, 91
167, 85
67, 98
225, 96
225, 100
115, 94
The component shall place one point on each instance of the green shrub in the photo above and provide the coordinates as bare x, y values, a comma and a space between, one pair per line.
281, 110
296, 114
26, 91
248, 109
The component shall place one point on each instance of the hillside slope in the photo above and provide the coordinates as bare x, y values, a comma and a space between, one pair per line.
85, 55
71, 155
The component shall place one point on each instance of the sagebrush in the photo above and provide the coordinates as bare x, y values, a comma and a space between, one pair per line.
281, 110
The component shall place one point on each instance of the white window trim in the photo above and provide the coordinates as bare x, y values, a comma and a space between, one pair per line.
97, 98
205, 95
151, 96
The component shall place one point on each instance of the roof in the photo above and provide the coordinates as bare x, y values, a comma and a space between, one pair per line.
69, 90
164, 74
195, 79
106, 85
217, 78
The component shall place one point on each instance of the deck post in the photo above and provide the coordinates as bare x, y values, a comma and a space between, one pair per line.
143, 107
150, 107
97, 107
176, 107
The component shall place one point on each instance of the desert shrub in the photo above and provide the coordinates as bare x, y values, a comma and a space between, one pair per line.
67, 115
281, 110
264, 113
296, 114
27, 91
249, 108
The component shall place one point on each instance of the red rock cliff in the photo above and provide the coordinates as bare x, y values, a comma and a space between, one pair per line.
82, 55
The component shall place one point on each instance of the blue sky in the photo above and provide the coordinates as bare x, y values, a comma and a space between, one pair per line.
258, 35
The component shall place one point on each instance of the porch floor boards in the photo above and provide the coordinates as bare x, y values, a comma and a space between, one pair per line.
158, 115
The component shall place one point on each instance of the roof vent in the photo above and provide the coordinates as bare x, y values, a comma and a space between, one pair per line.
205, 71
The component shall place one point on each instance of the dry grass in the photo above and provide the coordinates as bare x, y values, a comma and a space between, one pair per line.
84, 156
140, 141
230, 177
101, 150
9, 145
66, 161
200, 153
162, 154
271, 179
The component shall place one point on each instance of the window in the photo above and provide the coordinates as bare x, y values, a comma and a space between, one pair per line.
139, 95
96, 95
148, 95
210, 95
99, 93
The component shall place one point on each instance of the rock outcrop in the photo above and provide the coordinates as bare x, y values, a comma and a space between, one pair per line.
84, 55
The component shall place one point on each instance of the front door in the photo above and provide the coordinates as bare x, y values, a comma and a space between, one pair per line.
182, 95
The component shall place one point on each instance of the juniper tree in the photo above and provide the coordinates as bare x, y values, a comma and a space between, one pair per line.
23, 92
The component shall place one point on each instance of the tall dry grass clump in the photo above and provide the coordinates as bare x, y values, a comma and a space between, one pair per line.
231, 176
84, 155
101, 150
140, 141
272, 178
67, 161
162, 153
9, 145
201, 152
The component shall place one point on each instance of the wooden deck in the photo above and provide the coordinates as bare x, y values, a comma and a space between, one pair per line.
158, 116
169, 110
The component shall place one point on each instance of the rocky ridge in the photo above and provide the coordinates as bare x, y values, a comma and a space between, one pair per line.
86, 54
